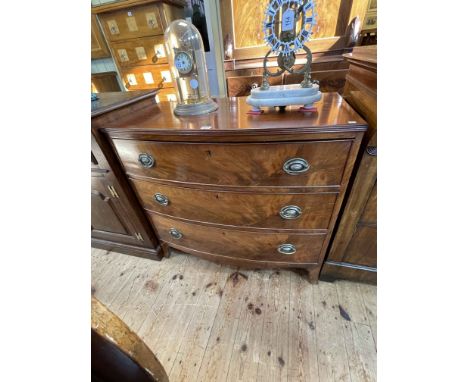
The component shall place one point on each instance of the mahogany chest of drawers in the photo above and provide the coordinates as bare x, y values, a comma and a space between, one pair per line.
246, 190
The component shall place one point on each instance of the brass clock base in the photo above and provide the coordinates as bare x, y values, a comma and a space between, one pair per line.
196, 108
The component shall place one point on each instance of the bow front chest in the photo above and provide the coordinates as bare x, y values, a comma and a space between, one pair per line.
245, 190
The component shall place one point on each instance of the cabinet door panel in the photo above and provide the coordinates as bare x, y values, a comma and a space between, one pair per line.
108, 221
104, 216
116, 216
362, 249
369, 216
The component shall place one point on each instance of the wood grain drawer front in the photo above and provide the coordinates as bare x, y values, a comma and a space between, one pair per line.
279, 211
147, 77
132, 23
143, 51
238, 164
240, 244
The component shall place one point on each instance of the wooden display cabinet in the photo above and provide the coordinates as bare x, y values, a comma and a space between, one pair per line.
134, 31
353, 251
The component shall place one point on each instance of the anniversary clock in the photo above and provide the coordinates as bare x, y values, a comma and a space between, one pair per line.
287, 27
186, 54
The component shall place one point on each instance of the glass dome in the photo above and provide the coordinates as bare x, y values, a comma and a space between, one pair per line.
184, 46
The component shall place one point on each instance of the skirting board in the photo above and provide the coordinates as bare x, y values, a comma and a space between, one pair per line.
332, 270
147, 253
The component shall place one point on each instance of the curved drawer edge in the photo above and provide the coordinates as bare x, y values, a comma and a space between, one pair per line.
299, 189
238, 262
244, 228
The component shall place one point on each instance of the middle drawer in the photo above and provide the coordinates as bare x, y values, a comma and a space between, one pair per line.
260, 210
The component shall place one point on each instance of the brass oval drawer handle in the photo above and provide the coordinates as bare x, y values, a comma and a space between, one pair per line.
146, 160
296, 166
287, 249
290, 212
161, 199
176, 234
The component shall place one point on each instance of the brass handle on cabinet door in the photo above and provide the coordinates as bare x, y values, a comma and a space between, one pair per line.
287, 249
161, 199
176, 234
290, 212
155, 59
296, 166
112, 191
146, 160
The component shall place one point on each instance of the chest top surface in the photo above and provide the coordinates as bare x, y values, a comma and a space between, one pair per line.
333, 114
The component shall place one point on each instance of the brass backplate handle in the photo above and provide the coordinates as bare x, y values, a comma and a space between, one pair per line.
146, 160
287, 249
290, 212
296, 166
175, 233
161, 199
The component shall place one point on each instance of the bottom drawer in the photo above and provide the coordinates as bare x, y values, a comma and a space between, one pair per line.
249, 245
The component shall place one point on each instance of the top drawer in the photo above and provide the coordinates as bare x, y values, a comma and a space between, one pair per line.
314, 163
132, 23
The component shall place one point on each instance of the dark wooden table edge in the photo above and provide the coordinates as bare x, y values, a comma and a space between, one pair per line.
118, 105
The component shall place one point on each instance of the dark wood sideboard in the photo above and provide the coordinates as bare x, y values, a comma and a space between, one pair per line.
117, 219
353, 252
246, 190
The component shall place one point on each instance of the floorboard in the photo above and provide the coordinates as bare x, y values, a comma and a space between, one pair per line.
207, 322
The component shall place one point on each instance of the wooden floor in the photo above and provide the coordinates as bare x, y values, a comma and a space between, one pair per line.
209, 323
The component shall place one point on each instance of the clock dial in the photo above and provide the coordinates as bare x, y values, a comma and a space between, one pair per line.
183, 62
288, 24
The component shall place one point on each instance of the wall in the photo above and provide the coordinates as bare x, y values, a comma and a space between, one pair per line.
103, 65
